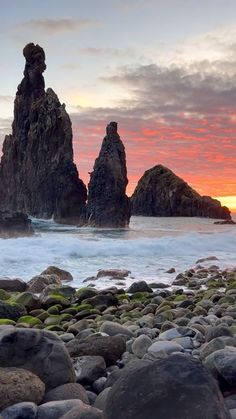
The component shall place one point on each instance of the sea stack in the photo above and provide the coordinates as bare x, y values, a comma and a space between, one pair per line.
108, 205
37, 173
161, 193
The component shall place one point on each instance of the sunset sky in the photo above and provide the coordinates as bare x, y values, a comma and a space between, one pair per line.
165, 70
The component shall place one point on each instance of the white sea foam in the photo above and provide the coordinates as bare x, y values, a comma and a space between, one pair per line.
147, 249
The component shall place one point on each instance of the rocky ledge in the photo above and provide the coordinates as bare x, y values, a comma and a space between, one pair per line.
161, 193
174, 345
15, 225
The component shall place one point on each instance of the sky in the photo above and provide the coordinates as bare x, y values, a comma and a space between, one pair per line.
165, 70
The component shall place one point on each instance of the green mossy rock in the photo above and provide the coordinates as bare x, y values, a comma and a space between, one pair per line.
231, 286
69, 310
29, 320
52, 320
140, 296
4, 295
55, 309
7, 321
54, 328
122, 297
180, 298
43, 316
53, 299
82, 307
37, 312
28, 300
65, 317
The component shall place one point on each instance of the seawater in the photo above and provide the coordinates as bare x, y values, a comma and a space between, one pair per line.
148, 248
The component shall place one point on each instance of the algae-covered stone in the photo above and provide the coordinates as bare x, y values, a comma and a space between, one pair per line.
30, 320
28, 300
52, 299
4, 295
11, 311
7, 321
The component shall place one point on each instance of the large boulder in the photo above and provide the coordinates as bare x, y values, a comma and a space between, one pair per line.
37, 173
176, 387
161, 193
19, 385
222, 365
14, 224
38, 351
54, 270
11, 311
108, 205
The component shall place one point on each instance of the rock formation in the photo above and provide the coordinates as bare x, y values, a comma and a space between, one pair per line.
161, 193
108, 206
15, 225
37, 173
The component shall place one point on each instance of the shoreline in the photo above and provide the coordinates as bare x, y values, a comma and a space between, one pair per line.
108, 337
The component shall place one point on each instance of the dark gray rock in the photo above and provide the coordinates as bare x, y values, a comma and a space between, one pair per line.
85, 413
140, 286
101, 400
109, 347
222, 365
37, 173
14, 224
12, 312
112, 328
161, 193
12, 285
217, 331
56, 409
175, 387
24, 410
38, 351
67, 392
108, 205
89, 368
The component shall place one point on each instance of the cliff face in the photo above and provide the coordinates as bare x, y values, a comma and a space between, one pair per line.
108, 206
37, 173
161, 193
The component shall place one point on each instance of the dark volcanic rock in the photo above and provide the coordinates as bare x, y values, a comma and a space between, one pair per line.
15, 224
176, 387
161, 193
37, 173
38, 351
108, 206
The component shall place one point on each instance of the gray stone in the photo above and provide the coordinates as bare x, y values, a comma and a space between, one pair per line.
56, 409
89, 368
141, 345
38, 351
101, 399
24, 410
222, 365
175, 387
113, 329
166, 346
85, 413
217, 331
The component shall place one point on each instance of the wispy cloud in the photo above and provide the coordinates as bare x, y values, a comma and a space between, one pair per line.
56, 26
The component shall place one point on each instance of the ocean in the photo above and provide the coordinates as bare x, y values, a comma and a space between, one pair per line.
148, 248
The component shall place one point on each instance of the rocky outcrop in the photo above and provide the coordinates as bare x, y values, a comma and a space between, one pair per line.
108, 205
37, 173
14, 225
161, 193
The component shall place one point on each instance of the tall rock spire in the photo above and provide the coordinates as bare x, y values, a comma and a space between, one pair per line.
37, 173
108, 205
